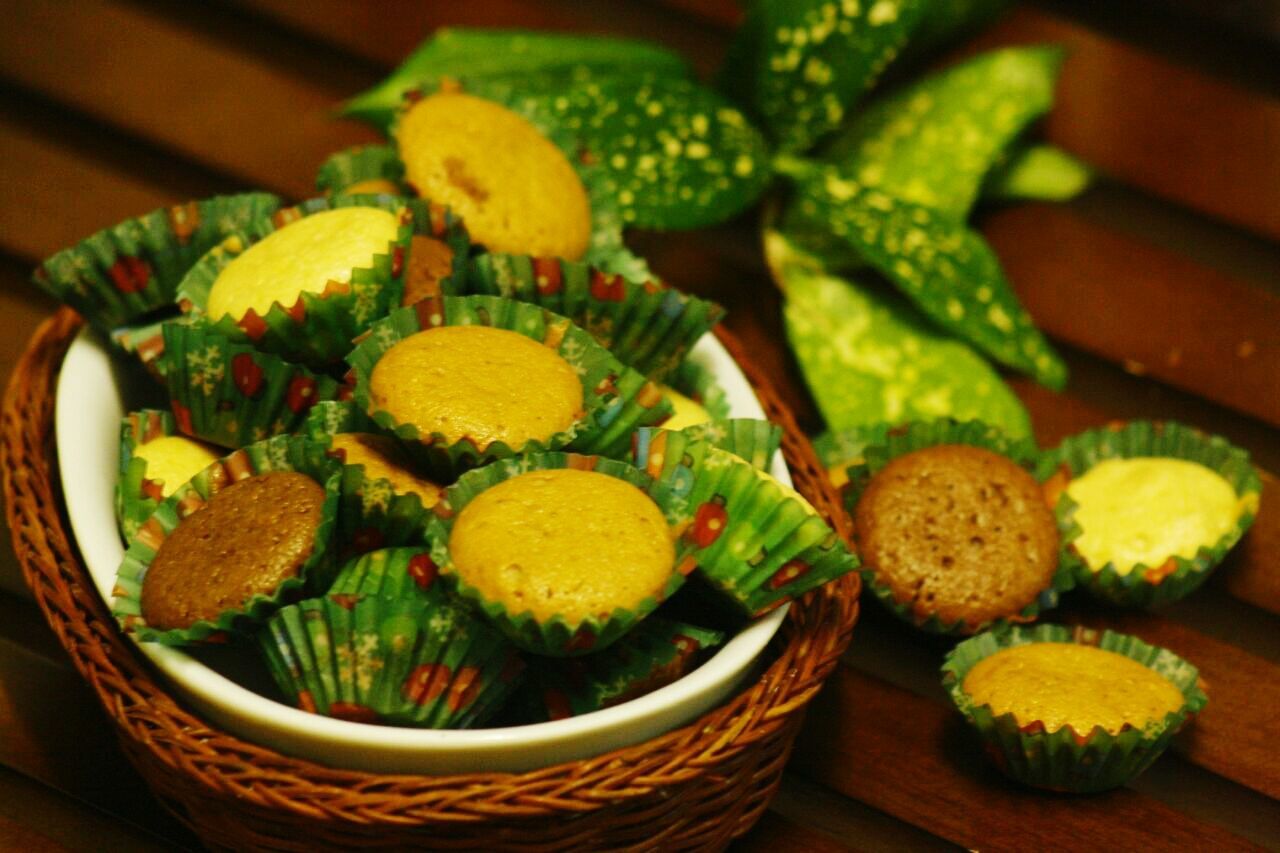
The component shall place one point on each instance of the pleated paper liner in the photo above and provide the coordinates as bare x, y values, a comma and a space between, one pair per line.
145, 343
229, 393
699, 384
282, 453
646, 324
755, 541
137, 497
656, 653
907, 438
617, 400
129, 270
396, 661
363, 170
1178, 576
749, 439
330, 417
391, 573
1067, 760
556, 637
438, 253
317, 329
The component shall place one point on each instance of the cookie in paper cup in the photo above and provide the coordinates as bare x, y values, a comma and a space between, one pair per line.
841, 450
656, 653
438, 253
125, 272
145, 343
695, 395
505, 377
227, 392
755, 541
390, 573
539, 544
936, 505
155, 460
1165, 502
305, 281
648, 325
363, 170
1071, 709
263, 516
396, 661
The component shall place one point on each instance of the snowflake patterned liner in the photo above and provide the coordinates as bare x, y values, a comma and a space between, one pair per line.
137, 497
754, 441
281, 453
131, 269
405, 572
317, 330
372, 514
617, 400
656, 653
1176, 577
557, 636
886, 444
758, 543
229, 393
145, 343
1067, 760
362, 164
699, 384
394, 661
647, 325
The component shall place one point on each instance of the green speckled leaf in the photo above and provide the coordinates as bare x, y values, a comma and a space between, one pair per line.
943, 266
670, 153
934, 141
800, 64
868, 357
481, 53
1037, 172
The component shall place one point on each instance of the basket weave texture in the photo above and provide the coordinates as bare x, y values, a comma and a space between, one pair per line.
694, 788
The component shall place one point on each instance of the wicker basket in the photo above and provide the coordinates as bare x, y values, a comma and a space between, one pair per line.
695, 788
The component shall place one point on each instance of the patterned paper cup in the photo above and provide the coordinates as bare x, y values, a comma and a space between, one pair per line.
282, 453
756, 541
390, 573
319, 327
137, 496
145, 343
231, 394
363, 170
752, 440
330, 417
658, 652
616, 399
648, 325
699, 384
883, 445
1177, 576
396, 661
125, 272
557, 636
1065, 759
438, 253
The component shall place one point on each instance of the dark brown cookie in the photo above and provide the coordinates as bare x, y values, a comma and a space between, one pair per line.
958, 531
245, 541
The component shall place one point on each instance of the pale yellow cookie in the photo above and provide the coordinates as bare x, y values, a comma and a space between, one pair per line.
172, 460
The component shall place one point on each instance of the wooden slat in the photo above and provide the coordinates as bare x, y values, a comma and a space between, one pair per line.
1152, 310
1174, 132
277, 129
776, 834
913, 758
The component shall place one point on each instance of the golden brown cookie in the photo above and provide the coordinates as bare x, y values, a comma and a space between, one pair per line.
429, 261
958, 532
245, 541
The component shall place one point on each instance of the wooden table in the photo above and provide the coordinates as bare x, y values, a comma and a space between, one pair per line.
1160, 285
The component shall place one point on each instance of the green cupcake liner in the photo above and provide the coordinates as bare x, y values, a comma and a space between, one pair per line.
658, 652
1177, 577
231, 394
145, 343
885, 444
757, 542
556, 637
358, 164
700, 385
846, 448
390, 573
318, 329
1066, 760
125, 272
616, 398
136, 496
749, 439
396, 661
282, 453
649, 326
439, 223
330, 417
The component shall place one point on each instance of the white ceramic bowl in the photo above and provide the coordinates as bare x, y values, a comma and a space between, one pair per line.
95, 391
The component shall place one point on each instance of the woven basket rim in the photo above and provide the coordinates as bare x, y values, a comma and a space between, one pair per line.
182, 755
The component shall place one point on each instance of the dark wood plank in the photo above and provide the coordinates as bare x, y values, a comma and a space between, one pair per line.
913, 758
776, 834
1152, 310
